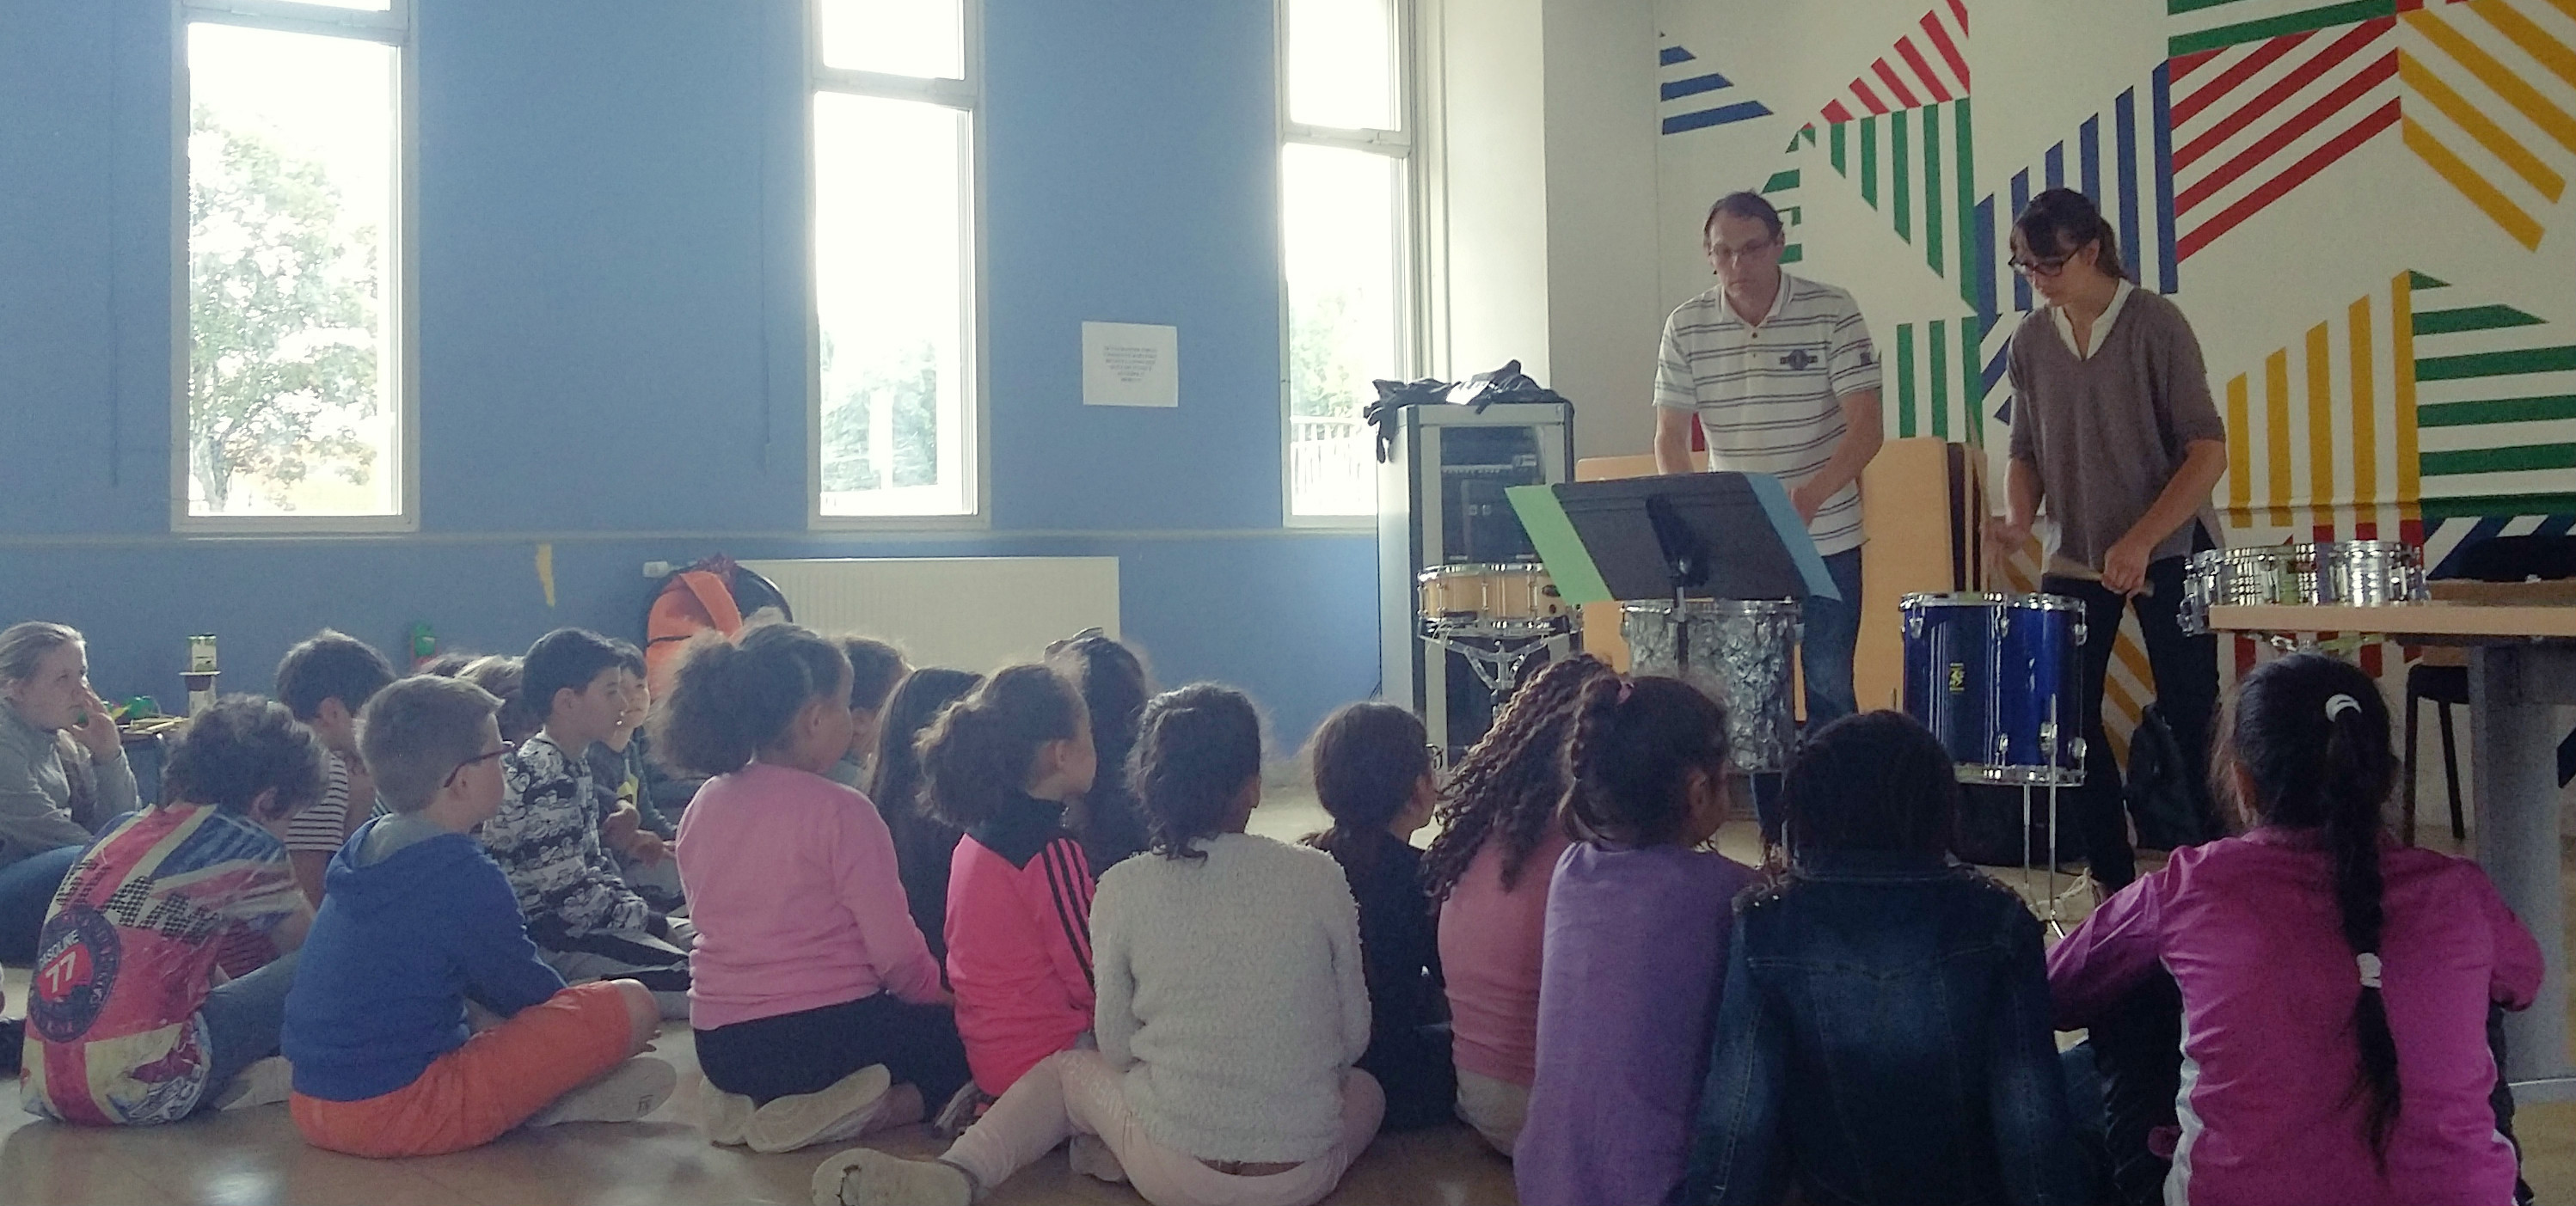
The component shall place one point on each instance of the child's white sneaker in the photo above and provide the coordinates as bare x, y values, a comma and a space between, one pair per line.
963, 1108
630, 1091
838, 1112
265, 1082
724, 1115
867, 1177
1091, 1157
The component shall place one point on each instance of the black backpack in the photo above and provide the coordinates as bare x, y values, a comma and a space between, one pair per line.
2170, 805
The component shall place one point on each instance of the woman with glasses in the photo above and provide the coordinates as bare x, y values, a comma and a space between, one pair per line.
2113, 430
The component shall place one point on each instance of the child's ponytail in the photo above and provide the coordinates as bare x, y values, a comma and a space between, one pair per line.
2311, 733
1629, 761
731, 700
977, 754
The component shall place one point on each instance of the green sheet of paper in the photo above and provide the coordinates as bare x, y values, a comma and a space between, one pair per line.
1578, 581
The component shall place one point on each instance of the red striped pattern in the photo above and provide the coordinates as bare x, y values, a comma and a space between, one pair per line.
2254, 122
1924, 68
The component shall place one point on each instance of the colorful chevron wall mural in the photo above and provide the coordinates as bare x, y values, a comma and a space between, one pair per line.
2356, 202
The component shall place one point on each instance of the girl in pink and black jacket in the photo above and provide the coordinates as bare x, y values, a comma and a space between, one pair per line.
2335, 986
1001, 764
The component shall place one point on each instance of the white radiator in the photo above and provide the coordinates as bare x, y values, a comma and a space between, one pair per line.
971, 613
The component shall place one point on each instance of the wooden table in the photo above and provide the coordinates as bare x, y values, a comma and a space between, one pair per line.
2522, 669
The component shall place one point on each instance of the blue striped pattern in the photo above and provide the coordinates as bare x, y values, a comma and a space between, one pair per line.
1702, 83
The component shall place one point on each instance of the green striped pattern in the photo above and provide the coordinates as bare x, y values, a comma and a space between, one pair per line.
1932, 382
2212, 24
1781, 190
1914, 167
2495, 410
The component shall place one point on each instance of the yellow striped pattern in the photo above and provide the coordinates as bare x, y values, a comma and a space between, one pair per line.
2479, 111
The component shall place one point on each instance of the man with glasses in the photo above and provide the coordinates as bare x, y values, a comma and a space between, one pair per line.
1782, 377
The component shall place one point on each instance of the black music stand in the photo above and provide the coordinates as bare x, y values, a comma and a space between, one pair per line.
1695, 535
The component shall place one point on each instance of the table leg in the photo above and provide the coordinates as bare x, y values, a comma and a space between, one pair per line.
2514, 694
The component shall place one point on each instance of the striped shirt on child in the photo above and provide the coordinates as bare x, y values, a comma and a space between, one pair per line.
1769, 395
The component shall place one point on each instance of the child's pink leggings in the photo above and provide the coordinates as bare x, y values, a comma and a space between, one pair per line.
1076, 1092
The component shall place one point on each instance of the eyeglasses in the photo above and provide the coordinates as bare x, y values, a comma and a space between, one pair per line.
483, 757
2027, 266
1716, 252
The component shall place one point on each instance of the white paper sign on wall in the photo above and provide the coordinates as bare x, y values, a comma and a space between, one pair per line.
1130, 364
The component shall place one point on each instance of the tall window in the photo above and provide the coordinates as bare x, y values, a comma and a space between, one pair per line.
294, 408
1347, 217
894, 94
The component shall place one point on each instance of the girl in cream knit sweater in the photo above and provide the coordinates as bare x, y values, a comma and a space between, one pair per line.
1231, 1007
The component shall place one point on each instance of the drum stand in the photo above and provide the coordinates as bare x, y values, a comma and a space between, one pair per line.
1500, 668
2056, 779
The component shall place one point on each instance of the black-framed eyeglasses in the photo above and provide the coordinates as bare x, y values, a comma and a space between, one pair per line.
2029, 266
483, 757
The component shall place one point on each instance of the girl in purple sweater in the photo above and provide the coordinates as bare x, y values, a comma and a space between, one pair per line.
2335, 985
1637, 924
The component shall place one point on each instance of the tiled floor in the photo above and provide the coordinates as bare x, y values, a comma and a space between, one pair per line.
255, 1157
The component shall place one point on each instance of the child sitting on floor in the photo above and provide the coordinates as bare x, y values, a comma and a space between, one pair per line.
876, 668
818, 1010
1232, 1007
1636, 942
1373, 774
324, 681
417, 922
129, 1018
2335, 986
1882, 1033
633, 831
1488, 870
924, 845
999, 765
1114, 688
548, 835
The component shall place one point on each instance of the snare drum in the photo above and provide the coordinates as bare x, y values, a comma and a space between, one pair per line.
2367, 573
1492, 599
1738, 652
1995, 677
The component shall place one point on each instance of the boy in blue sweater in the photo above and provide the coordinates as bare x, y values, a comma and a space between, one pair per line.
417, 921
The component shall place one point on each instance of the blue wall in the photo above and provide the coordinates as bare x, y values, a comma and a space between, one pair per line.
612, 337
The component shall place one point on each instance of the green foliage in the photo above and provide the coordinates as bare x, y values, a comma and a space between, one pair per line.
282, 317
1324, 380
905, 381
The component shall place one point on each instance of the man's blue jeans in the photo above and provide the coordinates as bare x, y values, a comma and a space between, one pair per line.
1825, 657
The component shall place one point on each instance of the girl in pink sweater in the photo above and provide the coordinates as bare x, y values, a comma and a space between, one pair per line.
1000, 765
1488, 870
2335, 986
818, 1011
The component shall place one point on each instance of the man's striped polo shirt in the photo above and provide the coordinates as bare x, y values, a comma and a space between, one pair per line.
1769, 396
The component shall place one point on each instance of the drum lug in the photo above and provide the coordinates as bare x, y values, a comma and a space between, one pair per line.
2075, 750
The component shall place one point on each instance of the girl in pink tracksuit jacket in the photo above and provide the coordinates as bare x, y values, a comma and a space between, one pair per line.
2335, 986
1001, 764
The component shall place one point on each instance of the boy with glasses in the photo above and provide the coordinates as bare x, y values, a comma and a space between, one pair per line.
417, 922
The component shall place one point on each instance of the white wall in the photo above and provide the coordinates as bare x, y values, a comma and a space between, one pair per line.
1546, 203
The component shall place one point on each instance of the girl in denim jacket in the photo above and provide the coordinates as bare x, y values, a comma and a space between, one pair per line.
1883, 1034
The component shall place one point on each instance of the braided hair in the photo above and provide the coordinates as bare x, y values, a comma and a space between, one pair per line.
1196, 748
1629, 764
2310, 733
1509, 785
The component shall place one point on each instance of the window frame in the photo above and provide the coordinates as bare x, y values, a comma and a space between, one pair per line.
1407, 147
391, 27
967, 97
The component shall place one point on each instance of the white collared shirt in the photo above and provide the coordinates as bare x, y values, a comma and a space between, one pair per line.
2101, 325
